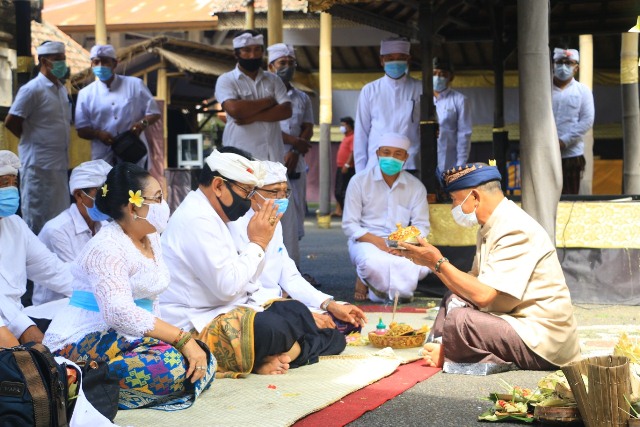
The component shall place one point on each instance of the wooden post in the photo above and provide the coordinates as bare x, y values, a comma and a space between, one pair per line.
586, 78
163, 94
630, 113
500, 144
326, 115
101, 22
274, 22
250, 16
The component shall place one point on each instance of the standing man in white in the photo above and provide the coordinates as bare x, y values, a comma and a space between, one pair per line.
389, 104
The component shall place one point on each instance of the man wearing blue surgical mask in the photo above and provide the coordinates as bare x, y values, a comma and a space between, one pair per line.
573, 111
41, 117
111, 105
22, 257
454, 118
389, 104
280, 276
376, 201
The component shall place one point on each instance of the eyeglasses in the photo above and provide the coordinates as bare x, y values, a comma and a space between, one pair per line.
154, 199
276, 193
249, 193
565, 62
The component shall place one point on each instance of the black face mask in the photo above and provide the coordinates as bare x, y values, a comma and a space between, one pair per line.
286, 73
239, 206
250, 65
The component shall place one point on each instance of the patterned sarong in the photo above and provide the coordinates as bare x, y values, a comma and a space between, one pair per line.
230, 338
152, 372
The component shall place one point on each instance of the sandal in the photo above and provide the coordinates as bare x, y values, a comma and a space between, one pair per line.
361, 292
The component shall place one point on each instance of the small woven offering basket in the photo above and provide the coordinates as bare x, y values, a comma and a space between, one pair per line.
402, 341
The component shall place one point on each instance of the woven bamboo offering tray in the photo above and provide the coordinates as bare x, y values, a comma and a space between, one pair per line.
406, 338
557, 414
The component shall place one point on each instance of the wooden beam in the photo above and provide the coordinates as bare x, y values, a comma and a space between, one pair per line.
362, 16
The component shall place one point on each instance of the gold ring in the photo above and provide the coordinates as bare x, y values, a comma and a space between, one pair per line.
272, 220
201, 367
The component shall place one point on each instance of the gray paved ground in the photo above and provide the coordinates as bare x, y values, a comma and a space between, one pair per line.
444, 399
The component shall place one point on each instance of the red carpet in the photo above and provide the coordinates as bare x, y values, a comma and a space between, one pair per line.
389, 309
357, 403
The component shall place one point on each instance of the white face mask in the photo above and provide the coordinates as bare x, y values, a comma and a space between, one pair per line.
464, 219
158, 215
343, 129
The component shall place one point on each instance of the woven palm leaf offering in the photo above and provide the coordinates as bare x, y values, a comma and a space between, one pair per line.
399, 335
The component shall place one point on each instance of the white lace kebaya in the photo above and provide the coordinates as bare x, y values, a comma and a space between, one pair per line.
117, 273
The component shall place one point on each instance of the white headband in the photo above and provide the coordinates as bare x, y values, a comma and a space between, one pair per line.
571, 54
103, 50
9, 163
394, 46
395, 140
247, 39
237, 168
89, 174
275, 172
50, 48
279, 50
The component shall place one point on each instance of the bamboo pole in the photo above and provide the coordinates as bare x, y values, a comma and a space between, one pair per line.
101, 22
326, 116
163, 94
274, 22
586, 78
250, 16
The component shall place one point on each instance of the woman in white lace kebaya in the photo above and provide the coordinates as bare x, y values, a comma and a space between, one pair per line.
113, 314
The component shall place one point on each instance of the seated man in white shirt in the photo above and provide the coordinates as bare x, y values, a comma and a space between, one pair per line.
376, 200
23, 256
280, 272
213, 280
66, 234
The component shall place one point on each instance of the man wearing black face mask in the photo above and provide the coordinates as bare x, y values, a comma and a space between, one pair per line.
213, 280
296, 133
254, 101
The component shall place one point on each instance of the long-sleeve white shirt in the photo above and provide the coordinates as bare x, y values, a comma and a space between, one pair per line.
370, 206
387, 105
280, 272
209, 274
23, 256
454, 121
574, 112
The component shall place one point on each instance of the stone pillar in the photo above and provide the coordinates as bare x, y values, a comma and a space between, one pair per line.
586, 78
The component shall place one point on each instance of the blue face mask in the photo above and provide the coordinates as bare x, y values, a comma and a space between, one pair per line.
93, 211
440, 83
59, 69
563, 72
103, 73
390, 165
9, 201
281, 203
395, 69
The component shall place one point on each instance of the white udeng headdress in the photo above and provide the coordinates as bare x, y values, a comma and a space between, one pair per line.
89, 175
275, 172
237, 168
247, 39
9, 163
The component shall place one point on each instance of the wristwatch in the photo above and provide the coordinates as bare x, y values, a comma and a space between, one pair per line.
144, 123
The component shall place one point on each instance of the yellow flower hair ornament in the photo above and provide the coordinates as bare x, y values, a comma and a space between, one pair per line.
136, 198
105, 190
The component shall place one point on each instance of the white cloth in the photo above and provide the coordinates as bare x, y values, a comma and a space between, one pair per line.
247, 39
91, 174
278, 50
65, 236
406, 203
276, 172
571, 54
574, 113
50, 48
280, 272
9, 163
387, 105
454, 120
237, 168
103, 50
117, 273
114, 109
262, 139
23, 256
209, 276
46, 110
394, 46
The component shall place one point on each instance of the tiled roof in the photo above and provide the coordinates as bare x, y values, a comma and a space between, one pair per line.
77, 57
226, 6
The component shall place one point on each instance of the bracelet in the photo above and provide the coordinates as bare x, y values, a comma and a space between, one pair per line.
325, 304
183, 341
178, 338
439, 263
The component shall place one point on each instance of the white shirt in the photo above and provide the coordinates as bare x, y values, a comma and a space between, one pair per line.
405, 203
279, 271
117, 273
574, 112
209, 275
113, 109
23, 256
262, 139
454, 120
302, 112
65, 236
46, 110
387, 105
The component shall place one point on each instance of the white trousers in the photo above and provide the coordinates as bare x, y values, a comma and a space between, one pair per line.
385, 272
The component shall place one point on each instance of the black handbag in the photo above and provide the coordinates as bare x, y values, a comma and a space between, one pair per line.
129, 147
101, 387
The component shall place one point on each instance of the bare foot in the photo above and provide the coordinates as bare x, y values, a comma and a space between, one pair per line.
361, 292
433, 354
274, 365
